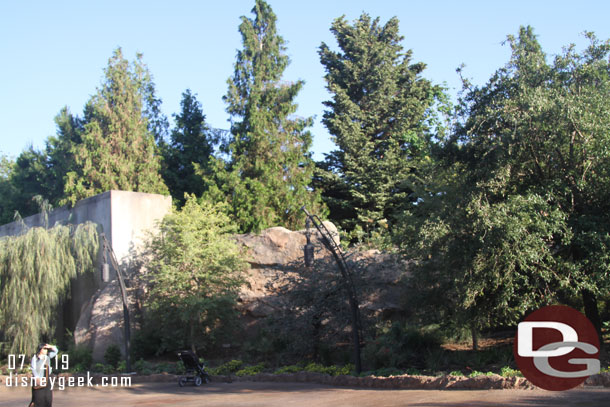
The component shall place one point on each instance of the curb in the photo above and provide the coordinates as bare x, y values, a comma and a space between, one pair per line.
492, 382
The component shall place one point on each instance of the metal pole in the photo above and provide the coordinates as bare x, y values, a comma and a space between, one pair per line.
331, 245
115, 264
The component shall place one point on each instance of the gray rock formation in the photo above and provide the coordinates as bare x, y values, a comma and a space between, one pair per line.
274, 255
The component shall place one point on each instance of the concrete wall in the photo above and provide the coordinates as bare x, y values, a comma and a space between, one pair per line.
126, 218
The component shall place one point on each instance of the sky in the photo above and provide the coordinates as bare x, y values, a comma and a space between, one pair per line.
53, 53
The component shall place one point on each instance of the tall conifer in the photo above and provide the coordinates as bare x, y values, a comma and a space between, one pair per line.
270, 169
118, 148
378, 119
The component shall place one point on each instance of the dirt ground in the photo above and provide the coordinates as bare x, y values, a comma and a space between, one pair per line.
302, 394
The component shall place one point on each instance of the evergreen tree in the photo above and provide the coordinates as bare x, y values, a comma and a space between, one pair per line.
266, 181
189, 150
378, 117
7, 190
42, 172
117, 149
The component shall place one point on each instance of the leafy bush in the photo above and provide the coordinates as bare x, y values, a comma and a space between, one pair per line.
80, 358
387, 372
250, 370
508, 371
399, 346
227, 368
113, 356
476, 373
98, 367
456, 373
165, 368
108, 369
329, 370
289, 369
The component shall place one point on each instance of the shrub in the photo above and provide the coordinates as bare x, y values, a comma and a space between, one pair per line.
508, 371
79, 356
329, 370
250, 370
113, 356
388, 371
227, 368
476, 373
289, 369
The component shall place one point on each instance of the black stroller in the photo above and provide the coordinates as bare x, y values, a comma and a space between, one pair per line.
195, 371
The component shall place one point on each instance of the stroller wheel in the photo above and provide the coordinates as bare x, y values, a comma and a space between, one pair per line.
198, 381
182, 381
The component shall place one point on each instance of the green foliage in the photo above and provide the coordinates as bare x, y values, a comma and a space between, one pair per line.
187, 155
400, 346
379, 117
99, 368
109, 369
80, 356
228, 368
267, 179
195, 272
112, 355
289, 369
476, 373
7, 190
508, 371
35, 272
518, 217
250, 370
329, 370
117, 149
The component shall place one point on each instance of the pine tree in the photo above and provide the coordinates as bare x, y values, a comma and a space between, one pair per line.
378, 117
42, 172
189, 150
267, 178
117, 149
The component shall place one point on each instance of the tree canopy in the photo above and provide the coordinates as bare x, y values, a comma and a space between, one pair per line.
378, 118
117, 149
35, 272
267, 178
195, 272
523, 221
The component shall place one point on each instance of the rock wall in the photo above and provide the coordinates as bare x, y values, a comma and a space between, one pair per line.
277, 252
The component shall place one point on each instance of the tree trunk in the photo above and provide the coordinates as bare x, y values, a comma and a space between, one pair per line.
592, 312
475, 337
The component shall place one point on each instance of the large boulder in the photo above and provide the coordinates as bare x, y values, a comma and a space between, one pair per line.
274, 255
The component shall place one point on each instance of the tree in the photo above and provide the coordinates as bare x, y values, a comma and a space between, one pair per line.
270, 169
527, 223
117, 149
195, 275
35, 272
189, 150
378, 117
29, 178
42, 172
7, 190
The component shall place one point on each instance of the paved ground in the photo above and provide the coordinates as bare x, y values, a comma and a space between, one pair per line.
302, 394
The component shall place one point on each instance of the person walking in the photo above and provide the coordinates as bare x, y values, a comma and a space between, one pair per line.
42, 396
